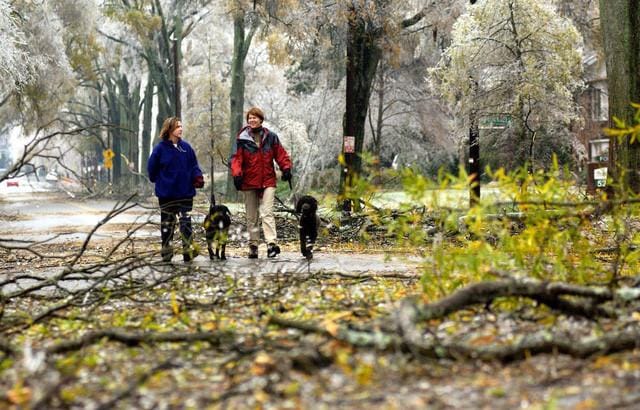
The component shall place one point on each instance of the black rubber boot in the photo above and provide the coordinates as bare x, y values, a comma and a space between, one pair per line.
253, 252
167, 254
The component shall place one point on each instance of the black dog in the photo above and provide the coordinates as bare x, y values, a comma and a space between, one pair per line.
216, 225
307, 208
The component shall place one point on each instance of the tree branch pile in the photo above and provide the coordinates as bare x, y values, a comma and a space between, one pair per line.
410, 329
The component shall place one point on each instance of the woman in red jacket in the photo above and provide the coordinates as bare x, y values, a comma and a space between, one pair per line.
253, 172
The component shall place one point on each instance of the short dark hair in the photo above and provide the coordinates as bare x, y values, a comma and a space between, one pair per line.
255, 111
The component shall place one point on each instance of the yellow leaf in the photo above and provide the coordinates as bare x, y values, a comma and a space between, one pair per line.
486, 382
261, 396
364, 373
292, 388
635, 316
263, 364
339, 315
210, 326
586, 404
19, 394
548, 320
175, 306
497, 392
603, 361
483, 340
343, 357
331, 327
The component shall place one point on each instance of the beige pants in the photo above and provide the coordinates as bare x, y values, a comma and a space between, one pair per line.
262, 208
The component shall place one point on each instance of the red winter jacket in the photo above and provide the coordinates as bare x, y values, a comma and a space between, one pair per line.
255, 164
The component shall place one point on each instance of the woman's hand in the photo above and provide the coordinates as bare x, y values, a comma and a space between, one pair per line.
198, 181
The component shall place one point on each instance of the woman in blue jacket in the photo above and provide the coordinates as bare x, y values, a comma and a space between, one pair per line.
173, 167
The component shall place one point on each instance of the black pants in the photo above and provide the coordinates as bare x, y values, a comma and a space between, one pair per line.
170, 209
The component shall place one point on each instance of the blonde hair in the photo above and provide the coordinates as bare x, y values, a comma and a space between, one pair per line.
169, 125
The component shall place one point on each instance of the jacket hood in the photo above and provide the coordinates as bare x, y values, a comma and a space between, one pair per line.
245, 133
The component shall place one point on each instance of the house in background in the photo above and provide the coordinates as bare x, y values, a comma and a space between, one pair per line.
594, 104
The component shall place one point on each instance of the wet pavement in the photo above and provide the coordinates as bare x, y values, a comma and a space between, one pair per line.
57, 218
287, 262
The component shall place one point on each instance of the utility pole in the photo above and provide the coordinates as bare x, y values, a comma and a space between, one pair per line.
474, 149
474, 145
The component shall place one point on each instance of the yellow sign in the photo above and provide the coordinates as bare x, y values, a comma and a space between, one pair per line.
108, 156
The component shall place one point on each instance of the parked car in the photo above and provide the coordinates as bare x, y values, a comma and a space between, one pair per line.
52, 176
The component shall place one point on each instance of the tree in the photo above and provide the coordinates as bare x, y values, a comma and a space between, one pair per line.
36, 68
154, 33
370, 24
404, 119
242, 37
17, 64
43, 49
526, 62
620, 24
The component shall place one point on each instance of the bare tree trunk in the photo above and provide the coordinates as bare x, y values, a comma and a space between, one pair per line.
123, 101
146, 123
620, 22
363, 55
177, 42
376, 128
377, 135
163, 63
241, 44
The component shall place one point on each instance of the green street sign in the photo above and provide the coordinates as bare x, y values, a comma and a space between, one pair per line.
495, 122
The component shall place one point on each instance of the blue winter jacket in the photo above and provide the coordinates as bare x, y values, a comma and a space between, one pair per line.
173, 169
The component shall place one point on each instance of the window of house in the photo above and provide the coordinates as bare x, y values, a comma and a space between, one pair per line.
599, 105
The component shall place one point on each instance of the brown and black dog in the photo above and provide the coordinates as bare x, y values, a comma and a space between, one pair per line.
308, 223
216, 225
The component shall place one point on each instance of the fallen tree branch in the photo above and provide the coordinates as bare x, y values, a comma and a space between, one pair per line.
374, 275
366, 338
538, 343
548, 293
545, 342
406, 336
137, 338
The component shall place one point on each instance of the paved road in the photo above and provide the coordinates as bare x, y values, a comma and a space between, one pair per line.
286, 263
41, 216
345, 263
